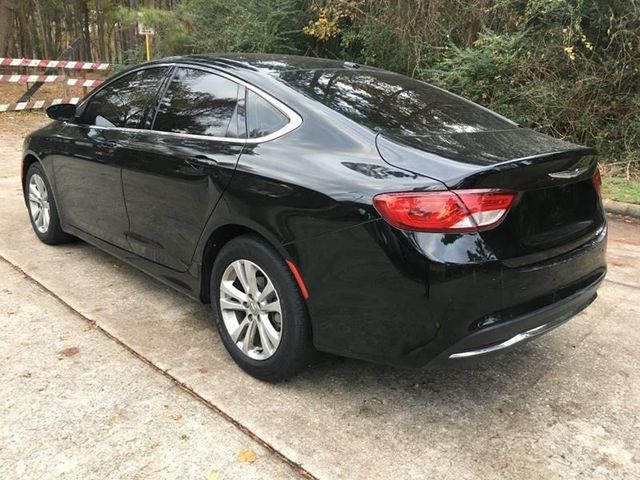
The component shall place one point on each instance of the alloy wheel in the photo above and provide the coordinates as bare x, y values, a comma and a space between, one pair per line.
251, 309
39, 203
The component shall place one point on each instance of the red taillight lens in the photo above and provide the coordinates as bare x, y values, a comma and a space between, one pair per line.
456, 211
597, 181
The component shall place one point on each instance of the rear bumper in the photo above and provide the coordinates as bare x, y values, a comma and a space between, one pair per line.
405, 299
499, 338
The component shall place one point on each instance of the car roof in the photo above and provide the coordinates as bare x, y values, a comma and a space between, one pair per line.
266, 63
265, 70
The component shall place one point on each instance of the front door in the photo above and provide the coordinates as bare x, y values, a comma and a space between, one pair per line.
88, 173
175, 173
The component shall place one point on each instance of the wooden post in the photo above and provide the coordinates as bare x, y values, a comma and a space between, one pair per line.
65, 87
84, 89
147, 41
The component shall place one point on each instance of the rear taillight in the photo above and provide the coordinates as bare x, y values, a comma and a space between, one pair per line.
456, 211
597, 181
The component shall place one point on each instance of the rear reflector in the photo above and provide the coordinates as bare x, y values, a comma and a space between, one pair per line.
298, 278
456, 211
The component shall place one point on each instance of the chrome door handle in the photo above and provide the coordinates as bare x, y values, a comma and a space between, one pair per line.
107, 144
200, 161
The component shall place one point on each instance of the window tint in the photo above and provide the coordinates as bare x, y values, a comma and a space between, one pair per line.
125, 102
198, 103
385, 101
262, 117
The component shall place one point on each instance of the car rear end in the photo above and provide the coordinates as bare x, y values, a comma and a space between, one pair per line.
523, 252
512, 237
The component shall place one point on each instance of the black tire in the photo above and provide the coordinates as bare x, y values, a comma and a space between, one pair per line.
295, 351
53, 235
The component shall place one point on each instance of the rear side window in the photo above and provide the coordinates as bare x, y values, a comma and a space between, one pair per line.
125, 102
262, 117
197, 103
385, 101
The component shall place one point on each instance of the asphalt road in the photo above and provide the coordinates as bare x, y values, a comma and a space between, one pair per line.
150, 391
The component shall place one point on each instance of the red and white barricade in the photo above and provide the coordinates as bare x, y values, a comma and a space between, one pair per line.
61, 65
64, 64
35, 104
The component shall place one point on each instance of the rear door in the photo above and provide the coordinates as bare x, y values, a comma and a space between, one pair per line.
87, 175
175, 172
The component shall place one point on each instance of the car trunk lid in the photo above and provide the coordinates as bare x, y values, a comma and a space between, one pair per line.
557, 207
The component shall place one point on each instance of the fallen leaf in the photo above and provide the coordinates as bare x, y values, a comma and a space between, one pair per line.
416, 387
69, 352
213, 476
247, 455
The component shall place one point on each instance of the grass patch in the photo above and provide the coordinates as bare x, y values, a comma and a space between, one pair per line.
621, 189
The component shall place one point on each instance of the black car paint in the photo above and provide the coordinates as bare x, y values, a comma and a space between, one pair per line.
376, 292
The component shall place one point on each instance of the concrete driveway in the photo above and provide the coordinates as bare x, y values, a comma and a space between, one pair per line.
151, 392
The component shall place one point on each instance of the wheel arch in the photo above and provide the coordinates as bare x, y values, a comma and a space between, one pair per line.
29, 159
218, 238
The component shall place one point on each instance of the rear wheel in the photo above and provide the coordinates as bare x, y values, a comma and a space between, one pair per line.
260, 313
43, 210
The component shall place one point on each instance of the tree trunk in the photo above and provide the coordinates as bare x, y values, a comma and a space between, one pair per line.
86, 32
24, 38
102, 42
40, 30
6, 26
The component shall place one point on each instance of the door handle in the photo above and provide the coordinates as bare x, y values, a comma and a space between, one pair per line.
108, 144
200, 161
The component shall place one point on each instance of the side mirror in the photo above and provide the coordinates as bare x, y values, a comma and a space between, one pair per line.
62, 111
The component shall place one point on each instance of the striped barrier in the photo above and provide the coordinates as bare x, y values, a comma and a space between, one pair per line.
36, 105
79, 82
74, 82
24, 102
67, 64
31, 78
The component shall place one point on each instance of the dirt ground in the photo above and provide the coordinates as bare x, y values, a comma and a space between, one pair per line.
106, 373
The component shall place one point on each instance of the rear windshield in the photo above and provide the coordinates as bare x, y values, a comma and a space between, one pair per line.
385, 101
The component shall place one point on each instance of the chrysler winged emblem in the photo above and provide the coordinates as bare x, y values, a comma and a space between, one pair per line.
576, 172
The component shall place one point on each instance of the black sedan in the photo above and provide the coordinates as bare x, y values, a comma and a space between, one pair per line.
321, 205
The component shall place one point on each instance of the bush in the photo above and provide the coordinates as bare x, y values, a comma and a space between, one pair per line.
566, 69
197, 26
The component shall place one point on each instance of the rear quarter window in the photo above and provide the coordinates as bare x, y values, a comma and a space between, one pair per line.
385, 101
262, 117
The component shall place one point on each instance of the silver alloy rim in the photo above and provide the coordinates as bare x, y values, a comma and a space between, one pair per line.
39, 203
251, 309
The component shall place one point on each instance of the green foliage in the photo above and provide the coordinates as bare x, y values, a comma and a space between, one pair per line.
621, 190
222, 26
568, 68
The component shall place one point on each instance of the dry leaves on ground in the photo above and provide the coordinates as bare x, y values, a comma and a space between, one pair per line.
247, 455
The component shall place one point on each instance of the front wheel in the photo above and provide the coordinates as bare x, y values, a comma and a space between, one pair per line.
43, 210
260, 313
